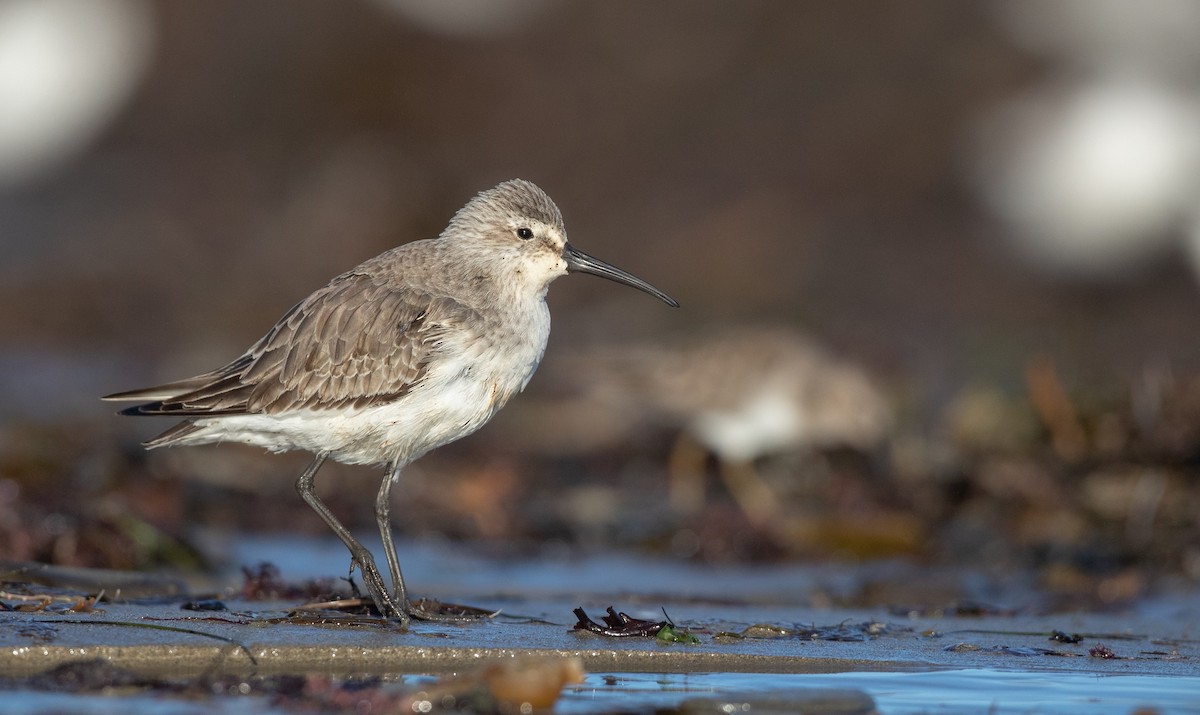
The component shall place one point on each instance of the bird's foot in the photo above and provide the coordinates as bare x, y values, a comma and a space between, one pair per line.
388, 606
396, 606
402, 610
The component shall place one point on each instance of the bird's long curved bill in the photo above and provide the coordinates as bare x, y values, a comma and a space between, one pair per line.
580, 262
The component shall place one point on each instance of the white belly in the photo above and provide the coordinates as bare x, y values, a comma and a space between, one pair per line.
459, 394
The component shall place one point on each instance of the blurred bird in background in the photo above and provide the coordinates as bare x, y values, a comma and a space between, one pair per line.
736, 394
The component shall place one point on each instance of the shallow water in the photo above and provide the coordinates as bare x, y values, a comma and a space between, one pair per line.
432, 566
1046, 686
37, 703
436, 567
915, 666
952, 691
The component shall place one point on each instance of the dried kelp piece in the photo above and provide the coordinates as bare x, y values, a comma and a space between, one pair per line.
439, 608
264, 583
355, 605
360, 605
618, 625
1061, 637
204, 604
622, 625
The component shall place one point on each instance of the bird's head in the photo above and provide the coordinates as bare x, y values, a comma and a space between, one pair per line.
518, 223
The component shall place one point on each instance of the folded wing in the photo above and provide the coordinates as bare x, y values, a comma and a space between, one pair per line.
350, 344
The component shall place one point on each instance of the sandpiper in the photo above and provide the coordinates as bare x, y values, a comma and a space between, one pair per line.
739, 393
404, 353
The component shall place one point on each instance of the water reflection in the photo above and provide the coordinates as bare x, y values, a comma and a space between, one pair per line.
951, 691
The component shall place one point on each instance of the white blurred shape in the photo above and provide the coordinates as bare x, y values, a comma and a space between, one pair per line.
1157, 35
66, 69
466, 18
1096, 178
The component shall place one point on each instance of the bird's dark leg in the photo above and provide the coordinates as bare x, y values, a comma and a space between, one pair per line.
383, 501
366, 563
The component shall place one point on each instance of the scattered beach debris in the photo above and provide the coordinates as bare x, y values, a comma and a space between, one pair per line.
620, 625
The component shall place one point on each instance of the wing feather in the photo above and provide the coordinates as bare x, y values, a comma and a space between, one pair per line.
352, 343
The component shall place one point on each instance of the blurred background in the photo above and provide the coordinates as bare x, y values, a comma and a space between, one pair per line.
978, 221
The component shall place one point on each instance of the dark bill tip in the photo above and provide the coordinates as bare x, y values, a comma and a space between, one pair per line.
580, 262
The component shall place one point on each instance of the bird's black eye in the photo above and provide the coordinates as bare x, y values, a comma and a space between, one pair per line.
524, 233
